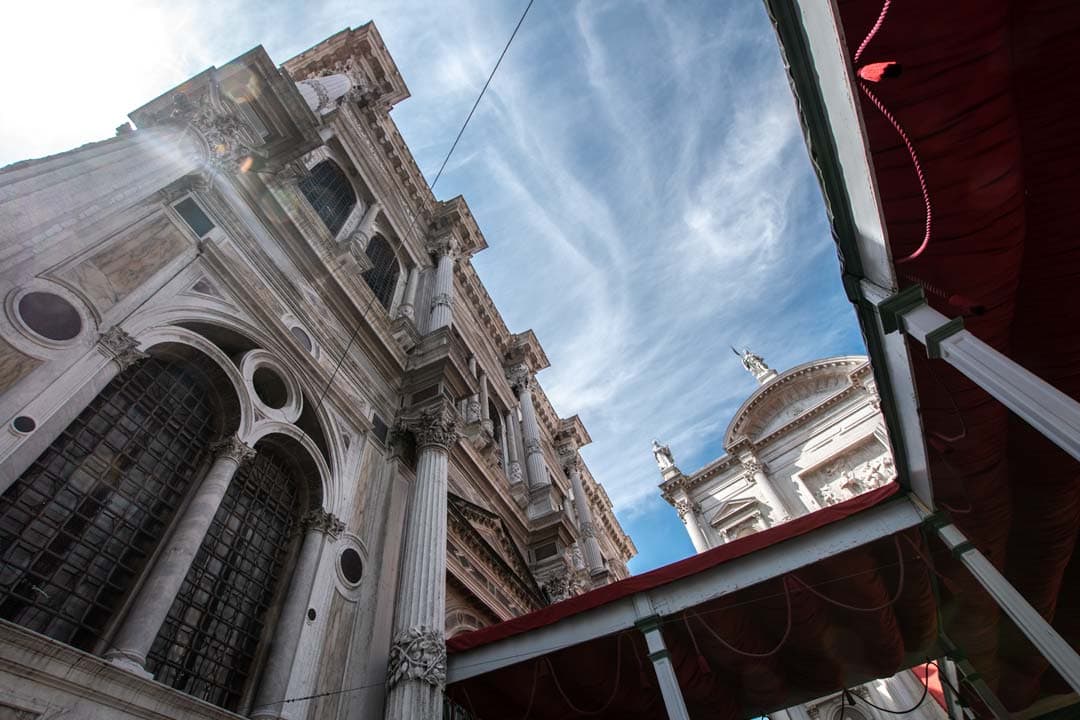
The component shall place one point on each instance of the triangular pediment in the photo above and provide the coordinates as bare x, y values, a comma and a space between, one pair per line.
732, 509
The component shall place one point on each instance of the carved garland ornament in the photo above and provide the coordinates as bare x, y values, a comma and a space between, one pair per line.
123, 348
418, 653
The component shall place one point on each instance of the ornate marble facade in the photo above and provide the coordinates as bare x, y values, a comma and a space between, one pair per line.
266, 237
808, 437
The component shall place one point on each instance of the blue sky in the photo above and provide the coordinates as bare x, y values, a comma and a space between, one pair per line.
636, 167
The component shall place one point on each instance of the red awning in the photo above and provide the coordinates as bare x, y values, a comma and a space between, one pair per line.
860, 614
989, 98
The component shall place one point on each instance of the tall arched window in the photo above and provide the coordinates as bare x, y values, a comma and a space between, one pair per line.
208, 642
330, 193
77, 527
383, 275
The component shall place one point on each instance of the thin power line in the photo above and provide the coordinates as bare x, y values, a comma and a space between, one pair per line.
363, 316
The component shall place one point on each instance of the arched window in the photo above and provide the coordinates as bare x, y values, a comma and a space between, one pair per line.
77, 527
330, 193
207, 644
383, 275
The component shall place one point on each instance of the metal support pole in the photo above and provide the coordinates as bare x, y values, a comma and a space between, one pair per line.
649, 624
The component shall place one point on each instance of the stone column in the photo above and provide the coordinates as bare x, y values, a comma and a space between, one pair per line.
472, 408
540, 501
152, 604
505, 449
442, 301
593, 557
322, 93
689, 516
416, 674
755, 475
408, 302
317, 526
359, 238
485, 412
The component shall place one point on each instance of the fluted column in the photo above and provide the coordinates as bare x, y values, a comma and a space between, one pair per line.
485, 411
755, 474
442, 301
521, 380
322, 93
513, 465
689, 516
593, 557
360, 237
408, 302
472, 408
152, 604
416, 674
317, 526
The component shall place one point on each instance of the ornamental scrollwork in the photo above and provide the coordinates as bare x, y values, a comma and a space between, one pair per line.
418, 653
123, 348
443, 299
752, 466
519, 377
442, 245
588, 529
684, 507
532, 446
515, 473
234, 449
229, 140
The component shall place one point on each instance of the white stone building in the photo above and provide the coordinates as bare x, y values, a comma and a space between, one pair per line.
268, 440
808, 437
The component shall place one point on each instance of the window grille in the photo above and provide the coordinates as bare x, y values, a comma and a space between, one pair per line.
208, 641
382, 277
77, 527
330, 193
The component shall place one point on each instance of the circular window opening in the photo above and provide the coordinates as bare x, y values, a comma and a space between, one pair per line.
352, 567
50, 316
24, 424
302, 337
270, 388
311, 615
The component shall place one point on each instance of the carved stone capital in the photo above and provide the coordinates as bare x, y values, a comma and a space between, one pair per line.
685, 508
123, 348
588, 529
418, 653
324, 522
228, 140
435, 426
515, 473
752, 466
442, 245
520, 377
233, 448
441, 299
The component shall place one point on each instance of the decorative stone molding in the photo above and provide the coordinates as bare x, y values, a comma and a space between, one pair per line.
515, 473
324, 522
418, 653
752, 466
588, 529
442, 299
123, 348
233, 448
290, 172
684, 508
320, 92
472, 411
437, 425
442, 245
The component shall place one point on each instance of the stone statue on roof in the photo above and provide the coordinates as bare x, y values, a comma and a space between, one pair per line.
662, 453
755, 365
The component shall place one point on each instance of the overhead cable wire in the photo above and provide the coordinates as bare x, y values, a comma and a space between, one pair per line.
450, 152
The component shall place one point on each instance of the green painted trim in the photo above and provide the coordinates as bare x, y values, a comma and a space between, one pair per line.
892, 309
937, 520
961, 548
648, 624
659, 655
935, 336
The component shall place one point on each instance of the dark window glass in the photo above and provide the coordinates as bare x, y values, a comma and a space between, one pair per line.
208, 641
194, 216
329, 192
352, 567
379, 428
302, 337
49, 315
77, 527
382, 277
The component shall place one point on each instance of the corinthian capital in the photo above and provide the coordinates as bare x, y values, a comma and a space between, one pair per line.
123, 348
228, 139
233, 448
684, 507
324, 522
444, 244
751, 466
438, 426
519, 376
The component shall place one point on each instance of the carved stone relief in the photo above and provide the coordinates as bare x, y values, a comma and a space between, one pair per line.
864, 467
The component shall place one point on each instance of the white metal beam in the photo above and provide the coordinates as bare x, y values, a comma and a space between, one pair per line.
767, 563
1037, 402
649, 625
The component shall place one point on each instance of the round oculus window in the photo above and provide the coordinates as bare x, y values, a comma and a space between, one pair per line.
24, 424
270, 388
302, 337
50, 316
352, 567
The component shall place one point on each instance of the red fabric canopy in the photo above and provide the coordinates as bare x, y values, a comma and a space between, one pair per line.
989, 98
865, 613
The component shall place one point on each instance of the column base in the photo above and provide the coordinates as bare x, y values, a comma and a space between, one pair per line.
131, 662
